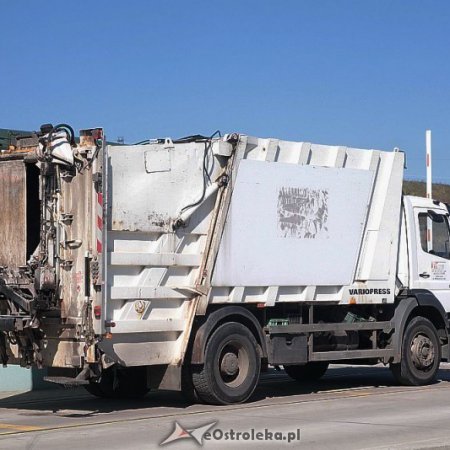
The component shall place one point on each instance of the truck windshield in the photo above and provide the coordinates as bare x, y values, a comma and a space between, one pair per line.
440, 234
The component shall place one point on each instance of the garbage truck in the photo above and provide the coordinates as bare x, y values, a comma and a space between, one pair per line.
194, 264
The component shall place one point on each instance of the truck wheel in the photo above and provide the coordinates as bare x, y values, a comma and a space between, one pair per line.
187, 386
232, 366
311, 371
104, 386
421, 354
94, 389
130, 382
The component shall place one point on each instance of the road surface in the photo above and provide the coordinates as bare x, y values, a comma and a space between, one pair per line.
351, 408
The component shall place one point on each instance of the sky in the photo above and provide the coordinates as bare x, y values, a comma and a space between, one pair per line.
367, 74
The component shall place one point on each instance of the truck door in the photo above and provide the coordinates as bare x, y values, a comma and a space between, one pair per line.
431, 269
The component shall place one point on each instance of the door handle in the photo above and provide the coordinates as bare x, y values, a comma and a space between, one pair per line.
424, 275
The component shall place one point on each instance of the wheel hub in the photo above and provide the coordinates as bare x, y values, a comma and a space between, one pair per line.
229, 364
422, 352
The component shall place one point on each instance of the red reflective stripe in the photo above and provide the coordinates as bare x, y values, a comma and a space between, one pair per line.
99, 222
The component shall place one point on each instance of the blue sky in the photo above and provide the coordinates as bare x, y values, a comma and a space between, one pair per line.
371, 74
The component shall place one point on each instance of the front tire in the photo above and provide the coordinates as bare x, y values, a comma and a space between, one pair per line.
421, 354
232, 366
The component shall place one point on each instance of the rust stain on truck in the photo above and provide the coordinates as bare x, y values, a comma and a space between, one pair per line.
13, 245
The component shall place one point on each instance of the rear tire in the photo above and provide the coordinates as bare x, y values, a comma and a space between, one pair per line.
124, 382
421, 354
311, 371
187, 386
94, 389
232, 366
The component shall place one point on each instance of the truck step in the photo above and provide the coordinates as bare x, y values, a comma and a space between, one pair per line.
66, 382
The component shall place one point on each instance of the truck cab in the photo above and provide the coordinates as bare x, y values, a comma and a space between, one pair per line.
424, 258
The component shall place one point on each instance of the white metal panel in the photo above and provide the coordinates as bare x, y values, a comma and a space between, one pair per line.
403, 266
157, 160
151, 269
380, 249
149, 184
293, 225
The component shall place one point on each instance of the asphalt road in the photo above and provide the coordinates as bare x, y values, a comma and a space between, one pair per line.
352, 407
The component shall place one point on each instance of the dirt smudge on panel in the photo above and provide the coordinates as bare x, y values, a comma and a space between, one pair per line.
302, 212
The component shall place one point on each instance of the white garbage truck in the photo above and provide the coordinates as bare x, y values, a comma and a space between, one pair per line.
194, 264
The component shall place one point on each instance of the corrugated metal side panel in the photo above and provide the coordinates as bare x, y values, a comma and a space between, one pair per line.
379, 253
373, 266
13, 213
151, 270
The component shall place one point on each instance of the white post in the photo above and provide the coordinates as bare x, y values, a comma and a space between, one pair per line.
429, 188
429, 174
